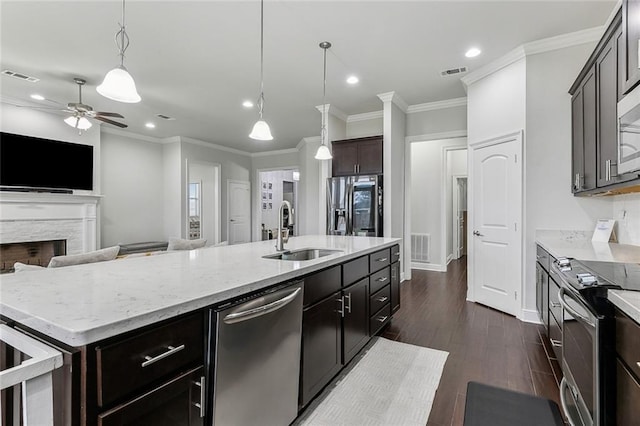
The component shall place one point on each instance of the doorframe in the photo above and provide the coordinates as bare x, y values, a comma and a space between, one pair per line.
518, 136
257, 201
217, 227
454, 213
229, 182
444, 256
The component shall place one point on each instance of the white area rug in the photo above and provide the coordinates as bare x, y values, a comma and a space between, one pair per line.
392, 383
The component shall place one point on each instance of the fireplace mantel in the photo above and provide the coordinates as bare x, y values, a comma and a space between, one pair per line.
33, 216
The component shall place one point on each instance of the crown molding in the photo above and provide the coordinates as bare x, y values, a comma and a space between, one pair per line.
332, 110
539, 46
430, 106
308, 139
373, 115
277, 152
436, 136
213, 145
393, 97
132, 135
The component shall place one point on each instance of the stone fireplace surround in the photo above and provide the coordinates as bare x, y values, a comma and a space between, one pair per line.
31, 216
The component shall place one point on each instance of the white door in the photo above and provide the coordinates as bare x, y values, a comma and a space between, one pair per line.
497, 212
238, 212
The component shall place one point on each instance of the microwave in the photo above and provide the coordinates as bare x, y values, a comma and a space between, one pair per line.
629, 132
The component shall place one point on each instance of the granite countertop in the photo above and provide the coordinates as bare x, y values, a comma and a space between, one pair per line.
578, 245
83, 304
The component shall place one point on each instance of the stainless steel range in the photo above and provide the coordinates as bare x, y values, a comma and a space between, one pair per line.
588, 353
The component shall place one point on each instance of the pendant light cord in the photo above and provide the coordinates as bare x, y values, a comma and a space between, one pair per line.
323, 130
261, 99
122, 39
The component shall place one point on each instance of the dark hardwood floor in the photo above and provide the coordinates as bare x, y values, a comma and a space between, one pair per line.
484, 345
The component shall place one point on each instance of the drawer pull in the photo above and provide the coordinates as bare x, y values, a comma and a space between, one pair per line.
638, 364
383, 279
555, 304
200, 404
381, 259
556, 343
348, 297
171, 350
382, 319
382, 299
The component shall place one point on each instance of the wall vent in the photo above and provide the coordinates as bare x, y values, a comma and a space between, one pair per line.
453, 71
420, 247
164, 117
20, 76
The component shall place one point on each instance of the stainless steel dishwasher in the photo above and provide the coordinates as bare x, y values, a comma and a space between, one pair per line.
257, 358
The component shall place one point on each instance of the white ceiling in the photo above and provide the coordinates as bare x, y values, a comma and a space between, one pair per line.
198, 60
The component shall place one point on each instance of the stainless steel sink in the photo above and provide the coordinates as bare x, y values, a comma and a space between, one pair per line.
302, 254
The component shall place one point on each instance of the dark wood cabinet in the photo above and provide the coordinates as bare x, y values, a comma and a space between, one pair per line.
607, 90
361, 156
178, 402
355, 322
395, 286
542, 295
631, 43
627, 369
583, 134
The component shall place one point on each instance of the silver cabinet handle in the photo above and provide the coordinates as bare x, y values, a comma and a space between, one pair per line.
171, 350
381, 280
607, 172
355, 168
261, 310
382, 319
638, 364
341, 310
556, 343
348, 297
381, 259
555, 304
382, 299
200, 404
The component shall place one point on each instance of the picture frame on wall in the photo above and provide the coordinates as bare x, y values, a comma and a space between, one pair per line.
264, 185
270, 196
269, 206
264, 206
270, 185
264, 195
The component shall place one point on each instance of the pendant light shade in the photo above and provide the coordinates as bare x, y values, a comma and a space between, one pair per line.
323, 152
261, 130
79, 123
118, 85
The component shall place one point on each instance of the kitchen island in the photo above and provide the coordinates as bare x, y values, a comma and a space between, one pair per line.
107, 317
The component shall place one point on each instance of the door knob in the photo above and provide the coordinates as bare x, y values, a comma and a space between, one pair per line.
477, 234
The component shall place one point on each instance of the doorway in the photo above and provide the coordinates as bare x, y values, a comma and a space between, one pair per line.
459, 219
238, 211
203, 201
275, 187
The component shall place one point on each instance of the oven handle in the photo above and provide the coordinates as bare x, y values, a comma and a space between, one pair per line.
564, 386
561, 294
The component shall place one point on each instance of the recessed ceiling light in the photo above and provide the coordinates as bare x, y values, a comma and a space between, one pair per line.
353, 79
150, 125
247, 104
37, 97
473, 52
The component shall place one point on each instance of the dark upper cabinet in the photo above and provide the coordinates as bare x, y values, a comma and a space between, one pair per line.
607, 90
583, 134
355, 324
361, 156
631, 43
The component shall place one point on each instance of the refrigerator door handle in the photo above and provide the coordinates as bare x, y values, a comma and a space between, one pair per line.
349, 190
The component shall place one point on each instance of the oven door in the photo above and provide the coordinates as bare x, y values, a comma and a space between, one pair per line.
580, 363
629, 132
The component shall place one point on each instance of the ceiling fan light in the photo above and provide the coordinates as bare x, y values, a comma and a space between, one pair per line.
323, 153
79, 123
261, 131
118, 85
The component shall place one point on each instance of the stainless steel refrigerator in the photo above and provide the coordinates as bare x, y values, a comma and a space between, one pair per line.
354, 205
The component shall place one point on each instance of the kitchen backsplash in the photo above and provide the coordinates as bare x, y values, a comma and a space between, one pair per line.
626, 211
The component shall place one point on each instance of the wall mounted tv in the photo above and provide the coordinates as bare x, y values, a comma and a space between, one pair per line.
35, 164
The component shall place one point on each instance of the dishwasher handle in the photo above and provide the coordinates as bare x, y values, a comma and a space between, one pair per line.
241, 316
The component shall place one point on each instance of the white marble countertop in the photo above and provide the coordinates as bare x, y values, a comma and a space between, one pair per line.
83, 304
578, 245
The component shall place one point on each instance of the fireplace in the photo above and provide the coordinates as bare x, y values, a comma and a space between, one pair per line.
31, 253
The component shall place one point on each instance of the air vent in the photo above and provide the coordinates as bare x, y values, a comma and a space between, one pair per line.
164, 117
453, 71
20, 76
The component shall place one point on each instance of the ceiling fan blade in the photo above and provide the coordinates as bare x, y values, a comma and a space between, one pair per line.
108, 114
34, 106
115, 123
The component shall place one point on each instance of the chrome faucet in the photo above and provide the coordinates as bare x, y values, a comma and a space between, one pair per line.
280, 240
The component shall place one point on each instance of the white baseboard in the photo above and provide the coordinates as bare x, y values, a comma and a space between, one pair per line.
449, 258
429, 266
530, 315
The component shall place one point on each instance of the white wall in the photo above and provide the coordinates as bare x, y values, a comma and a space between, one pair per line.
309, 201
208, 175
270, 216
364, 128
133, 200
437, 121
173, 190
626, 210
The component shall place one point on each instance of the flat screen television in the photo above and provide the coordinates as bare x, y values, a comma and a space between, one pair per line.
35, 164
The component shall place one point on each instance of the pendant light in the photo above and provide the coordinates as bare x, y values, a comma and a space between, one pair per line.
261, 129
118, 84
78, 122
323, 152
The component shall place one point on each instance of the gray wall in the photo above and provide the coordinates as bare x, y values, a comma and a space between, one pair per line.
363, 128
437, 121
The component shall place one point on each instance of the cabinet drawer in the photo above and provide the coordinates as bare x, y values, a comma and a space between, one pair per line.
555, 335
628, 341
379, 280
627, 396
554, 302
379, 260
542, 257
379, 299
129, 365
321, 284
380, 319
395, 253
355, 270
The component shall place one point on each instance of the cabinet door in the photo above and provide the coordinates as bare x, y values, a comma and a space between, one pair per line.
175, 403
370, 157
539, 281
395, 287
627, 396
607, 142
583, 112
577, 141
345, 158
321, 346
355, 324
631, 37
